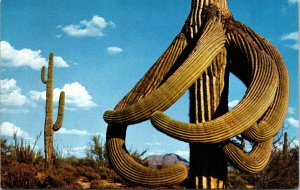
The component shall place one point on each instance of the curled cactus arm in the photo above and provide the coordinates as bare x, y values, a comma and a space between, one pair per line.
257, 100
209, 45
60, 114
253, 162
128, 168
272, 120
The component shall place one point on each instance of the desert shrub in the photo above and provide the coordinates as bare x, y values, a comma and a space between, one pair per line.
88, 172
102, 184
108, 174
15, 174
97, 151
235, 180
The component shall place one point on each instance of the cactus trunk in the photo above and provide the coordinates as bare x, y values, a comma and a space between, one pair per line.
49, 127
208, 100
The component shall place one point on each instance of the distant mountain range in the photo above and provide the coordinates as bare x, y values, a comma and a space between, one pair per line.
167, 159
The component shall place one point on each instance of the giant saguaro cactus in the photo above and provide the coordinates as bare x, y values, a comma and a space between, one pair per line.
210, 45
49, 127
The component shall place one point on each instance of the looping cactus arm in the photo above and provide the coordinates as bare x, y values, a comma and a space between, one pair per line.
257, 100
136, 173
60, 114
209, 45
272, 121
253, 162
156, 73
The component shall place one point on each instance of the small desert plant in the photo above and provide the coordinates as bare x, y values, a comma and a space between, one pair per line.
15, 174
97, 151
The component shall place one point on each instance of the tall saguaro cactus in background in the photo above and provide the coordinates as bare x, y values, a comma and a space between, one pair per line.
49, 127
210, 45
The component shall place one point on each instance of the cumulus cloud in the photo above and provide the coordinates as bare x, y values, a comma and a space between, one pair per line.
114, 50
64, 131
11, 57
291, 121
8, 129
76, 96
233, 103
88, 28
11, 94
293, 1
292, 38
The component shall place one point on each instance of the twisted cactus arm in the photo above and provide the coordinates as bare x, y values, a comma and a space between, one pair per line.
209, 45
257, 100
117, 153
272, 121
115, 143
128, 168
253, 162
157, 73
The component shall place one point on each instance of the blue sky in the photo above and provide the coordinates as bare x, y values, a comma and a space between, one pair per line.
102, 48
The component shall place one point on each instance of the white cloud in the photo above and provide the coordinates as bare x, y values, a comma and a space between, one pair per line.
293, 1
294, 38
290, 36
64, 131
291, 121
76, 96
13, 110
11, 94
8, 129
291, 110
91, 28
233, 103
114, 50
11, 57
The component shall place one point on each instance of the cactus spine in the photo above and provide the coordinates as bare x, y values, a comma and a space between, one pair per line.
49, 127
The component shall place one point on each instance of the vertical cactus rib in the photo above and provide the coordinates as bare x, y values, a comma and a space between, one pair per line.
257, 100
60, 114
253, 162
208, 46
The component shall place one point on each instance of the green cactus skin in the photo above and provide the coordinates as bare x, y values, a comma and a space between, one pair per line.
258, 117
253, 162
49, 127
256, 101
209, 45
122, 162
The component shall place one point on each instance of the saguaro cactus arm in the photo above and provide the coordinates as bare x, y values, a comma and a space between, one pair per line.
43, 75
117, 154
256, 101
253, 162
60, 114
187, 63
207, 48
